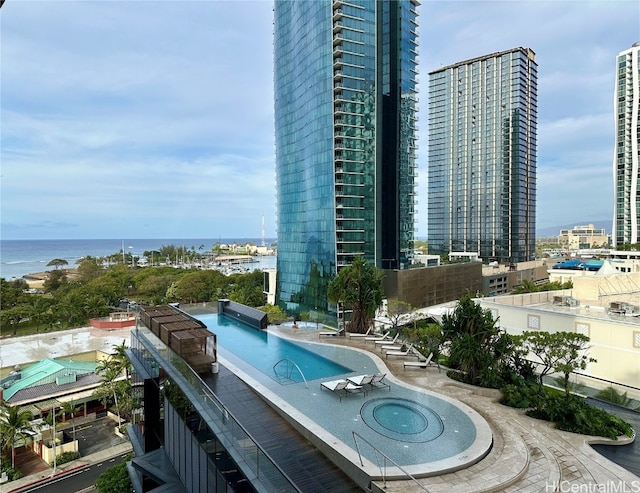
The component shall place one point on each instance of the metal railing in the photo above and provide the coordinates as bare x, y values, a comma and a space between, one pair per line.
229, 431
289, 367
385, 458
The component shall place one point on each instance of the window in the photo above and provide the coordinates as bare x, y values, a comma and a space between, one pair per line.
533, 322
582, 328
636, 339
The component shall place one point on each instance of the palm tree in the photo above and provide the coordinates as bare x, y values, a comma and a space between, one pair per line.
15, 427
121, 359
94, 305
359, 288
471, 332
70, 408
110, 373
40, 308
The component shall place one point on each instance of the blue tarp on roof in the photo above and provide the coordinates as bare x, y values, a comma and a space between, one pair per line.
591, 265
569, 264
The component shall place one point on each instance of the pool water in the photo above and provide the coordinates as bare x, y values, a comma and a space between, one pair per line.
419, 430
402, 419
301, 324
265, 352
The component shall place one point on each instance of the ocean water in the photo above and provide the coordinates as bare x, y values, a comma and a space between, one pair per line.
22, 257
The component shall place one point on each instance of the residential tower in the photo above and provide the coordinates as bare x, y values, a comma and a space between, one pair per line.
345, 84
482, 157
626, 161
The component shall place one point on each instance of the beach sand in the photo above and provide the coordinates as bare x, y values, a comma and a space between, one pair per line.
36, 280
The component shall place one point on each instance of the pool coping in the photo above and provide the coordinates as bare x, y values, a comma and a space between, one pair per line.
346, 457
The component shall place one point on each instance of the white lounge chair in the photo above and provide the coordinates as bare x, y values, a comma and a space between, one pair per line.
361, 380
378, 382
359, 334
377, 338
421, 363
391, 347
385, 342
331, 332
409, 351
341, 387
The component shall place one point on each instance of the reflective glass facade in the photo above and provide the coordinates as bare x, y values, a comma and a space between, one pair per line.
345, 113
482, 156
626, 161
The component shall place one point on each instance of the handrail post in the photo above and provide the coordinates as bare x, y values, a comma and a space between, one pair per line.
291, 364
385, 458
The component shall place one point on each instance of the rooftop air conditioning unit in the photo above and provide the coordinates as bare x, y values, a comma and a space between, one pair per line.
565, 301
571, 301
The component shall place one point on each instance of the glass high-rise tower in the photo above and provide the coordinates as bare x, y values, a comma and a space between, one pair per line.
482, 157
345, 84
626, 161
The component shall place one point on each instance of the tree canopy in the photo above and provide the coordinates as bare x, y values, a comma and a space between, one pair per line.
115, 479
358, 287
57, 263
15, 427
562, 352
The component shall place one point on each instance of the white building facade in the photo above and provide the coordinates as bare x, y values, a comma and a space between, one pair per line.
626, 161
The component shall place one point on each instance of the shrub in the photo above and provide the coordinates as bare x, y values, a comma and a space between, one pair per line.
65, 457
618, 398
519, 396
5, 466
574, 414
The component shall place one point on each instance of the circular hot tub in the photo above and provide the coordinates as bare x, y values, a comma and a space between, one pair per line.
402, 419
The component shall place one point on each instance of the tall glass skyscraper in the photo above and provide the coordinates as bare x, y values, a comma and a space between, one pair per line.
626, 161
482, 157
345, 120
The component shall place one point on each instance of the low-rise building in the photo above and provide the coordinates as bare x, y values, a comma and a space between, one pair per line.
604, 306
587, 236
499, 279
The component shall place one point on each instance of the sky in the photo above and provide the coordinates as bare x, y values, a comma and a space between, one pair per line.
154, 119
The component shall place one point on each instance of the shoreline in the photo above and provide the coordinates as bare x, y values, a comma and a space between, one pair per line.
35, 280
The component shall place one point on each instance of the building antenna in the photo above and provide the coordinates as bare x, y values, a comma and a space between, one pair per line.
263, 240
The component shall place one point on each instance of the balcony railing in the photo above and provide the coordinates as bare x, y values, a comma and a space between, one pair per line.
255, 463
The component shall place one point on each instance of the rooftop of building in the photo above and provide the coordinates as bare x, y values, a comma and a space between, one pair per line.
47, 377
527, 51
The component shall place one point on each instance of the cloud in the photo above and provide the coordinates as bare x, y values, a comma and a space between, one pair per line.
130, 117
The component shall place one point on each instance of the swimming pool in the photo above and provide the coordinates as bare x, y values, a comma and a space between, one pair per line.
302, 324
268, 353
424, 433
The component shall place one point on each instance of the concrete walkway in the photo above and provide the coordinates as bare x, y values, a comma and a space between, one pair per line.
527, 456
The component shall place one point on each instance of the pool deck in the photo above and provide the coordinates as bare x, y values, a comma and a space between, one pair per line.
527, 455
437, 434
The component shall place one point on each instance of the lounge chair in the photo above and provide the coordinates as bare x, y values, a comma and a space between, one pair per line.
331, 332
341, 387
361, 380
409, 351
421, 363
377, 382
359, 334
391, 347
377, 338
385, 342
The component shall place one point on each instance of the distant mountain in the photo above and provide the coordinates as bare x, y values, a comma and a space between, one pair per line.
555, 230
